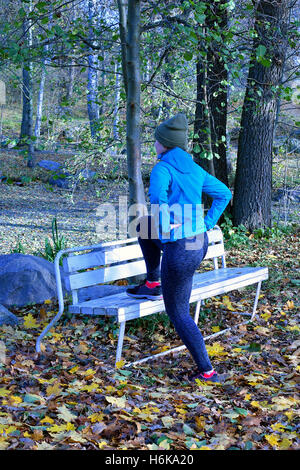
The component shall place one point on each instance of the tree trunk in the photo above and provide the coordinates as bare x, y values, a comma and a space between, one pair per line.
39, 110
116, 103
26, 134
136, 187
253, 181
92, 105
123, 33
202, 130
217, 94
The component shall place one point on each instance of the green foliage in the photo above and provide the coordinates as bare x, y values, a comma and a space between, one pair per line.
53, 247
19, 248
235, 236
151, 324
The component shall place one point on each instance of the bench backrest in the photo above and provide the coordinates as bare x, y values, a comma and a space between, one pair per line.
121, 259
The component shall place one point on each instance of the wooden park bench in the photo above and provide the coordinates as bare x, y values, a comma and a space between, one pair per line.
123, 259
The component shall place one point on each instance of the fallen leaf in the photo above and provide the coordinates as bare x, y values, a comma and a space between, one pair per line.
118, 402
65, 414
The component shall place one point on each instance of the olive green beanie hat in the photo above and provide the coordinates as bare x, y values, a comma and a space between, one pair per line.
173, 132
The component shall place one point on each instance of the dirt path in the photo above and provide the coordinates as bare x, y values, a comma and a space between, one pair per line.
27, 211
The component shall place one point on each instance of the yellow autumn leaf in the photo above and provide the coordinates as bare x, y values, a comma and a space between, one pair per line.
289, 415
272, 439
165, 445
73, 370
215, 329
61, 427
53, 389
13, 400
227, 303
96, 417
89, 388
47, 420
293, 328
48, 301
30, 322
4, 392
56, 336
278, 427
290, 304
255, 404
101, 444
7, 429
120, 364
266, 315
200, 423
215, 350
285, 444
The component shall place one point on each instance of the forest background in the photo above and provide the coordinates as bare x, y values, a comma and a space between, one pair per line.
84, 83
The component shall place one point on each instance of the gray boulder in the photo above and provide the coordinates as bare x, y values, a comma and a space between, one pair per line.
49, 165
7, 318
26, 279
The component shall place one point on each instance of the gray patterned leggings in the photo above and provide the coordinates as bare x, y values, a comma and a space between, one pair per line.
179, 262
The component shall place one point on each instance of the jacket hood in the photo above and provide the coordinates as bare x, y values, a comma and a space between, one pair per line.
179, 159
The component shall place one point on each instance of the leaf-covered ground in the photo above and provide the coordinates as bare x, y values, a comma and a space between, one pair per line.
71, 399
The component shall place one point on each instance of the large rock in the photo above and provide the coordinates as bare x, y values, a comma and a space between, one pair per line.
7, 318
26, 279
49, 165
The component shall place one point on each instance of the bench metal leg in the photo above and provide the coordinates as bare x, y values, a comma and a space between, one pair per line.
198, 306
196, 318
47, 329
256, 301
120, 341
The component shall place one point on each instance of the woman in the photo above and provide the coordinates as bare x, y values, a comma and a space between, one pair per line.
177, 227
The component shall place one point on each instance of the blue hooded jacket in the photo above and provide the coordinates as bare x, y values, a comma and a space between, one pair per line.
175, 192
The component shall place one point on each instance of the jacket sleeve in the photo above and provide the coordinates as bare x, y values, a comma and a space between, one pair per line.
221, 196
160, 182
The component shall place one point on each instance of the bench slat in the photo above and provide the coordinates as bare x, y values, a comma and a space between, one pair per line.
214, 291
215, 236
214, 251
111, 253
205, 285
100, 258
100, 276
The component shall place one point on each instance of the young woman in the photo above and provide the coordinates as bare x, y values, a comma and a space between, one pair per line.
178, 229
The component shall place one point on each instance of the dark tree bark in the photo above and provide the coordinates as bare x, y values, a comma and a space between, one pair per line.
253, 181
211, 108
26, 134
217, 94
136, 187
